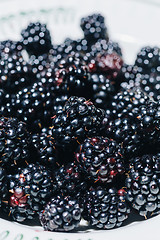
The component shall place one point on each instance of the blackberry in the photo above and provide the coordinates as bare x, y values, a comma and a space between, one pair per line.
142, 184
148, 59
72, 77
29, 190
103, 90
150, 83
69, 180
106, 46
36, 38
101, 159
62, 213
59, 102
45, 150
105, 208
14, 143
10, 47
33, 105
78, 119
94, 28
3, 185
15, 73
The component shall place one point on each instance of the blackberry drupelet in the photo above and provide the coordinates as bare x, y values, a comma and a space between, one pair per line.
143, 184
10, 47
69, 180
15, 73
78, 119
101, 159
3, 185
36, 39
62, 213
45, 150
14, 143
105, 208
103, 90
59, 102
148, 59
29, 191
72, 77
94, 28
34, 105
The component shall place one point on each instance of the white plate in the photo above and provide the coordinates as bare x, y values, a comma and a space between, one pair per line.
133, 24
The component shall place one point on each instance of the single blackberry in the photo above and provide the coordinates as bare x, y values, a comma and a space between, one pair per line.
103, 90
72, 77
14, 143
150, 83
36, 38
45, 150
143, 184
62, 213
10, 47
106, 46
3, 185
78, 119
29, 190
69, 180
105, 208
125, 132
148, 59
34, 105
94, 28
15, 73
101, 159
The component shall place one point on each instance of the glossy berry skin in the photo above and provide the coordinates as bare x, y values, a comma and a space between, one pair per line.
36, 38
14, 143
94, 28
69, 180
101, 159
9, 47
29, 190
72, 77
78, 120
105, 208
45, 150
62, 213
143, 184
102, 45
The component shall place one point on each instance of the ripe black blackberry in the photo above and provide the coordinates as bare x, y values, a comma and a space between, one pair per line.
148, 59
143, 184
105, 208
45, 150
62, 213
101, 159
15, 73
59, 102
72, 77
150, 83
103, 90
10, 47
14, 143
3, 185
33, 105
94, 28
78, 119
69, 180
36, 38
29, 191
106, 46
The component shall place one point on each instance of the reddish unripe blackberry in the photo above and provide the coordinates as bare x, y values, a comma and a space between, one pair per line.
143, 184
62, 213
29, 191
105, 208
78, 120
101, 159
